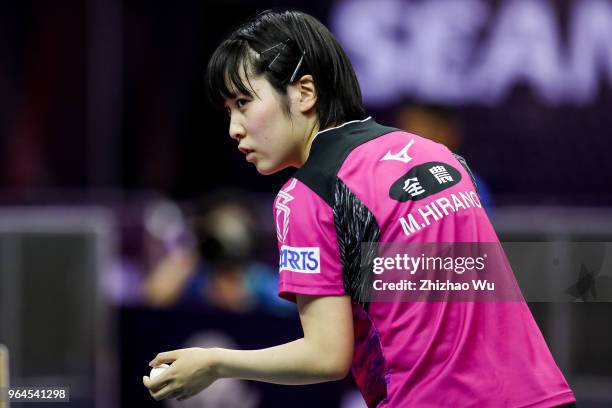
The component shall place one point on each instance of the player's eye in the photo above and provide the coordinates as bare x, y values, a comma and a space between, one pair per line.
241, 102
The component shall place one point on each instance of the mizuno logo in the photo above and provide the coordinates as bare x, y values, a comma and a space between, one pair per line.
283, 211
402, 155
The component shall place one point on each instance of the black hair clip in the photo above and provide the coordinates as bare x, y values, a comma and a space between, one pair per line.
283, 46
297, 68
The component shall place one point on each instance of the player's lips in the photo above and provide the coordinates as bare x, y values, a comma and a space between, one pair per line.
248, 152
244, 150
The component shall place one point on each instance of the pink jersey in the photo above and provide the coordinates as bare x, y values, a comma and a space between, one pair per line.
364, 182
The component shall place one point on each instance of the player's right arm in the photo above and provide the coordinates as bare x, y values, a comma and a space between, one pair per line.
311, 274
323, 354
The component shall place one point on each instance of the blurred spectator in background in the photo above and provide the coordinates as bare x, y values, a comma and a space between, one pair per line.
217, 268
442, 125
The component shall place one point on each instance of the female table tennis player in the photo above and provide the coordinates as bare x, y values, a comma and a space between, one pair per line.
294, 101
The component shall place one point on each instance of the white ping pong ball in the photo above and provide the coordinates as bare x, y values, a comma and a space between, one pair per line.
155, 371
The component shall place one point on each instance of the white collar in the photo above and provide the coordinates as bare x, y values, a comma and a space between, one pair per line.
342, 125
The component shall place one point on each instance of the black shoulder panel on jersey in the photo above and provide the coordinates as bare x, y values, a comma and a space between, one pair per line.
355, 225
329, 150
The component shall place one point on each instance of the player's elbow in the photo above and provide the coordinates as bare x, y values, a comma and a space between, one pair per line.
330, 363
340, 358
338, 366
338, 371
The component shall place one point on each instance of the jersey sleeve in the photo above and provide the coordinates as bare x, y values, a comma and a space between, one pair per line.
309, 259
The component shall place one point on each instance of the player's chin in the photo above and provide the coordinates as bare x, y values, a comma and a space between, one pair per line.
265, 168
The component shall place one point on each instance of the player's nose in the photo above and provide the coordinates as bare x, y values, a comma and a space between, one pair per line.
236, 130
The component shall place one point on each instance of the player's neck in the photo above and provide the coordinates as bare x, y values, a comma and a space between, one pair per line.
312, 134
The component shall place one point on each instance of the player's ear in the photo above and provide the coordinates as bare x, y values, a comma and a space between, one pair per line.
307, 93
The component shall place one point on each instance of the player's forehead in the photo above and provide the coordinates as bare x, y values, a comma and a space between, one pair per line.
253, 86
226, 72
232, 73
237, 83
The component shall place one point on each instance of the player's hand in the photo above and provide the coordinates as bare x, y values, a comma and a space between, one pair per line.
191, 370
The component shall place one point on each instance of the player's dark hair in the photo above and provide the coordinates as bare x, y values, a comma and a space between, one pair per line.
284, 46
